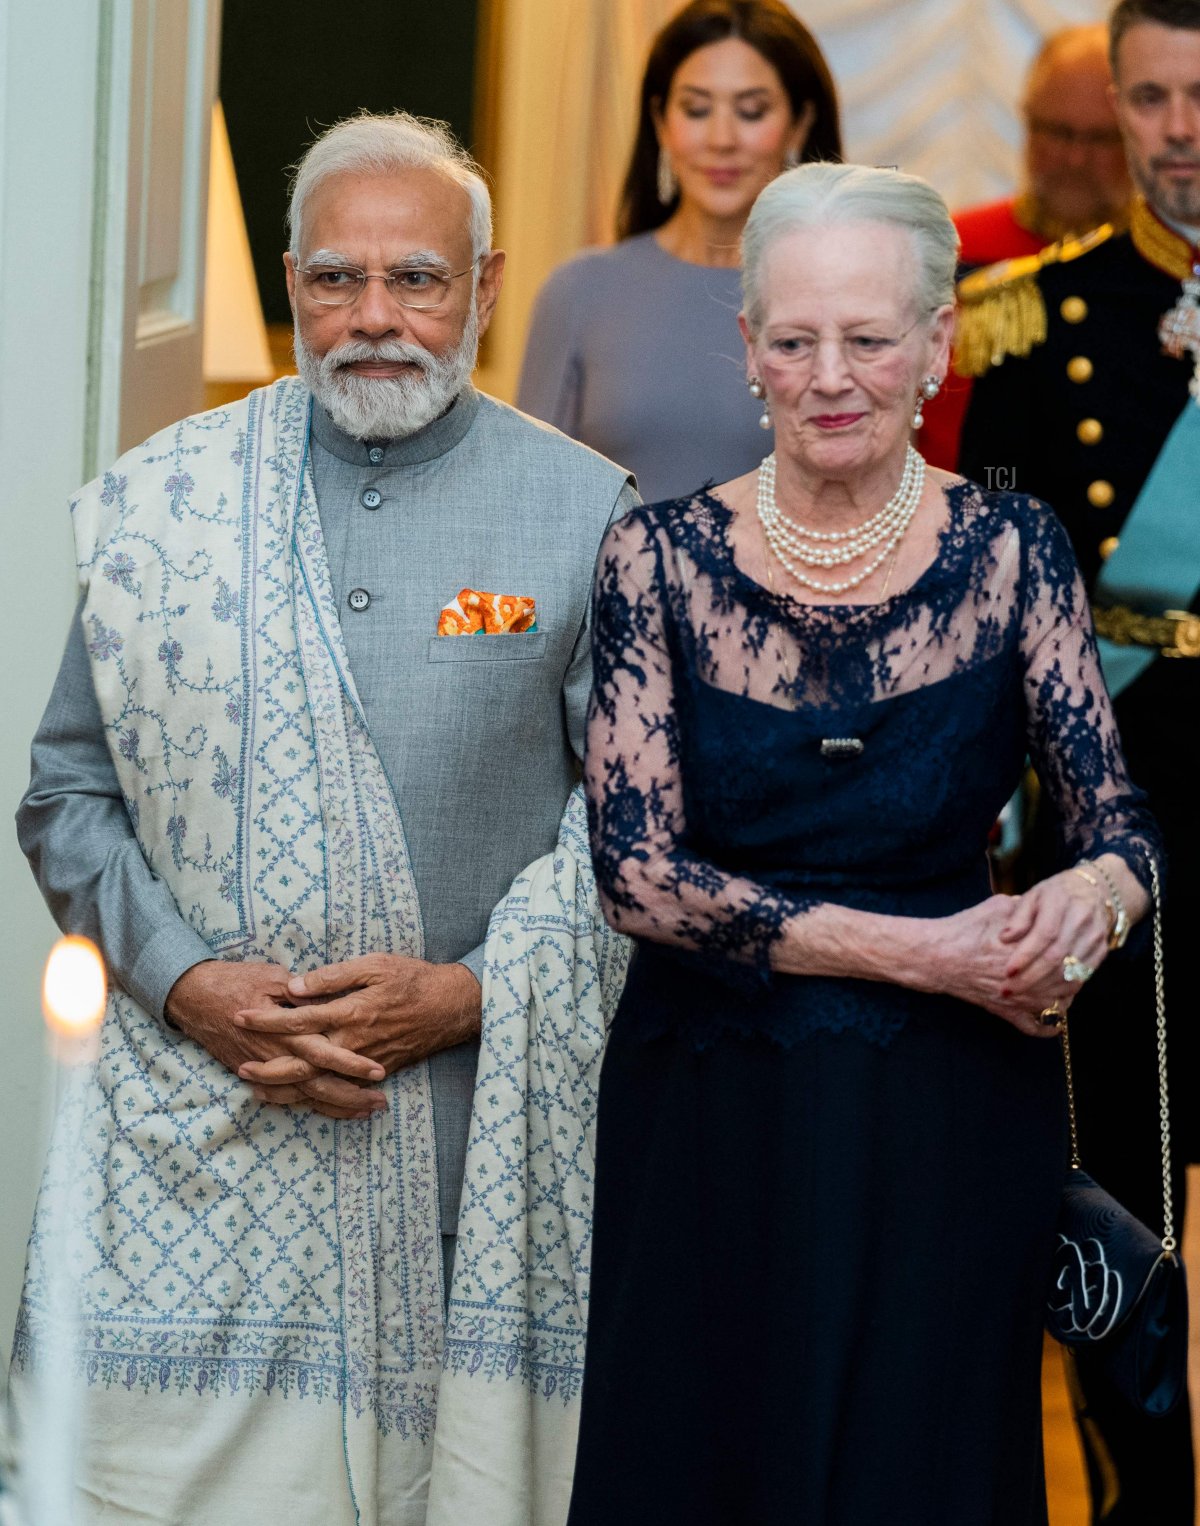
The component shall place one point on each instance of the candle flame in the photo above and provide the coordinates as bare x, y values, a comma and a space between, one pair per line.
74, 988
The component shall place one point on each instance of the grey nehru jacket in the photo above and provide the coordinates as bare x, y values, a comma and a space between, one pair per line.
480, 736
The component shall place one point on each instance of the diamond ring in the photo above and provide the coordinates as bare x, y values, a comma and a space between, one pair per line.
1075, 972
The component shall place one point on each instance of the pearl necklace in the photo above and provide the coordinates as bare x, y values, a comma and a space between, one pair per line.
791, 542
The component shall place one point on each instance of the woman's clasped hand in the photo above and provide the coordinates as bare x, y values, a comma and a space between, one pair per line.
1007, 953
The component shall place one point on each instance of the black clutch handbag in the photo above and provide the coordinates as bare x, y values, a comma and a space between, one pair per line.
1116, 1286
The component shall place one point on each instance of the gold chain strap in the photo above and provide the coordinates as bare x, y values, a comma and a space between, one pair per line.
1164, 1108
1076, 1163
1169, 1242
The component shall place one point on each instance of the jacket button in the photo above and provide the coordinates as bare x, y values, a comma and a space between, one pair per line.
1108, 546
1100, 494
1074, 309
1090, 431
372, 498
1080, 369
375, 454
359, 600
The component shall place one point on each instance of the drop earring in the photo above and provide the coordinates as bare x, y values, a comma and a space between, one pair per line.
667, 185
930, 388
758, 390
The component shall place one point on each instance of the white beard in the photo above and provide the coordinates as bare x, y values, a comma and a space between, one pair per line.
387, 407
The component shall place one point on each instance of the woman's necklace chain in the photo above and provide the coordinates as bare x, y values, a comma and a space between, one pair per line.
793, 543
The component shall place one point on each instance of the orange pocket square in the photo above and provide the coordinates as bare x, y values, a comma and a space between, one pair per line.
487, 614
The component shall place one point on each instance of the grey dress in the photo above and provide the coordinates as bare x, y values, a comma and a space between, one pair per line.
637, 354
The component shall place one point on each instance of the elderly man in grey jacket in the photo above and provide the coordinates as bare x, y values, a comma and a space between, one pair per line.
284, 801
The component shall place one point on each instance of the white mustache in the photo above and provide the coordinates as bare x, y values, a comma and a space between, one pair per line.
389, 350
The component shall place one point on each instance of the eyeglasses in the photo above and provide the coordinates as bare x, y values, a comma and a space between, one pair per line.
1063, 135
859, 351
411, 286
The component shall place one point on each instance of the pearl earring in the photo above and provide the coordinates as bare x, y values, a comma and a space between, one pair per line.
667, 185
758, 390
930, 388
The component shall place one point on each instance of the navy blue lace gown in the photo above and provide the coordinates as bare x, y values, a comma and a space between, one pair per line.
825, 1208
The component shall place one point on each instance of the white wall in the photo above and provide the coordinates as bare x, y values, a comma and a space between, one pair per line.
48, 70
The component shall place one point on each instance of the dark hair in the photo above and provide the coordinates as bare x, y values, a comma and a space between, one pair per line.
771, 29
1184, 14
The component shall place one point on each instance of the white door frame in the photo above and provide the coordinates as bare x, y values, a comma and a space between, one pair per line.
63, 376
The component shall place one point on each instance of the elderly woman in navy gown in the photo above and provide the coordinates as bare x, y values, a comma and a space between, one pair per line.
831, 1130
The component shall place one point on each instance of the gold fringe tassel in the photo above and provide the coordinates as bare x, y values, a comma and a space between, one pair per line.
999, 315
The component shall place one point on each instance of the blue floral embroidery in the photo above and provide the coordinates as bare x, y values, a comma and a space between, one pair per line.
171, 653
226, 606
105, 642
178, 485
129, 746
120, 570
114, 488
223, 782
176, 832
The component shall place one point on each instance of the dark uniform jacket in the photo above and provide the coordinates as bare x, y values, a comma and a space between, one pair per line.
1082, 418
987, 234
1079, 422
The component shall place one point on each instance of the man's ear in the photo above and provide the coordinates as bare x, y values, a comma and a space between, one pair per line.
289, 266
491, 279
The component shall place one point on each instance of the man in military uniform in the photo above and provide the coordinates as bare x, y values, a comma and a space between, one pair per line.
1074, 172
1074, 179
1085, 356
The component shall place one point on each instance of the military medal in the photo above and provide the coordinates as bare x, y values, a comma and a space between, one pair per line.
1180, 328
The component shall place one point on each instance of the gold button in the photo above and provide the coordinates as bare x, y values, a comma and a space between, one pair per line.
1080, 369
1090, 431
1108, 546
1074, 309
1100, 494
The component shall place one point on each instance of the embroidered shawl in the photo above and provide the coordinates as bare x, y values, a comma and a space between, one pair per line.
262, 1332
260, 1287
508, 1410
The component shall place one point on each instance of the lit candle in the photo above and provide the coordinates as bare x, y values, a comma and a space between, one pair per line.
74, 990
73, 997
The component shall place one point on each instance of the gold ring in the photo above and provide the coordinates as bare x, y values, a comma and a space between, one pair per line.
1052, 1016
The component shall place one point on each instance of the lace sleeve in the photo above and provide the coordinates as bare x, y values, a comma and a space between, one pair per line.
651, 883
1073, 738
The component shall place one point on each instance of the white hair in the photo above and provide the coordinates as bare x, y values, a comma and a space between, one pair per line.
826, 195
378, 144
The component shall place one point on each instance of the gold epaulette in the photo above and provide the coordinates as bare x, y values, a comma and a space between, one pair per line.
1001, 309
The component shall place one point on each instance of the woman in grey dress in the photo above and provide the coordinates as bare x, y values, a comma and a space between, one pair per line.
634, 349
